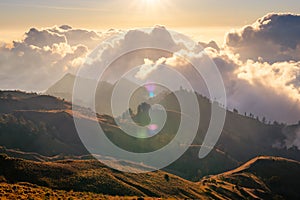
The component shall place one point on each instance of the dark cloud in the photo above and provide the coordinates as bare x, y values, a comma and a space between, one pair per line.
41, 38
267, 70
272, 38
211, 44
85, 37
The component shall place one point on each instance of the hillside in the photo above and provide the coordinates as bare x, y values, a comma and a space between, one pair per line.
259, 178
43, 124
243, 137
92, 176
38, 134
24, 190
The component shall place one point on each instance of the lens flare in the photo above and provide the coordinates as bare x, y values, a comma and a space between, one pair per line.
150, 88
152, 127
151, 94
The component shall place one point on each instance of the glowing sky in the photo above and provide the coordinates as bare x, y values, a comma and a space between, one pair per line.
189, 16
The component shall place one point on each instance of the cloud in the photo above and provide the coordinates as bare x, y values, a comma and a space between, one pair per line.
43, 38
272, 38
148, 67
281, 77
124, 52
292, 138
269, 89
44, 56
259, 64
88, 38
262, 88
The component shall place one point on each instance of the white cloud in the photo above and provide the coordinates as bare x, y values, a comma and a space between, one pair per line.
265, 89
148, 67
44, 56
150, 40
270, 90
281, 77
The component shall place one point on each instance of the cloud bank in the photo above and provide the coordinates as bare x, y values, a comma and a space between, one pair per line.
267, 71
44, 56
260, 63
272, 38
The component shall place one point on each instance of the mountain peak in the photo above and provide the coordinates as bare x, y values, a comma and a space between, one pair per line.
65, 27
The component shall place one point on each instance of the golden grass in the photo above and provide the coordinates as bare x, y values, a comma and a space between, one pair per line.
31, 191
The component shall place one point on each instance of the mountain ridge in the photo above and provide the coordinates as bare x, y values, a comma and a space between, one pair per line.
50, 131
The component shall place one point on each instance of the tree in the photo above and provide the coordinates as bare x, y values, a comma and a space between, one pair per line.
167, 178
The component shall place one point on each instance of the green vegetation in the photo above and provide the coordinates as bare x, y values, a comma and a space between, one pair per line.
41, 128
44, 125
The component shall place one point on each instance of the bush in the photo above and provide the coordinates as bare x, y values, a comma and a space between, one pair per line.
167, 178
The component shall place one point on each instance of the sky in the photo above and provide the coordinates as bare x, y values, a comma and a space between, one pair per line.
189, 16
257, 50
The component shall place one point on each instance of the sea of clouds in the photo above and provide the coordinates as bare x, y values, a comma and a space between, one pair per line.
259, 63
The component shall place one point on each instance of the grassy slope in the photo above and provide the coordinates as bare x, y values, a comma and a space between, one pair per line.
31, 191
92, 176
263, 177
259, 178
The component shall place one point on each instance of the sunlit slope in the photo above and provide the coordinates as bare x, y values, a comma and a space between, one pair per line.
260, 178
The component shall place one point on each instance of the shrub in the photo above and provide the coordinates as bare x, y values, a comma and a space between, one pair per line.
167, 178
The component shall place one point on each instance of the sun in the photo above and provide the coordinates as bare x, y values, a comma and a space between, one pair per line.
151, 1
150, 6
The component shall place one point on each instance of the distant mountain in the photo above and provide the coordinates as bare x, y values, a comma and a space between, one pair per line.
64, 89
44, 124
260, 178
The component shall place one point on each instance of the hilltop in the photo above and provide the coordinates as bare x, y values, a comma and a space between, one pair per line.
263, 177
